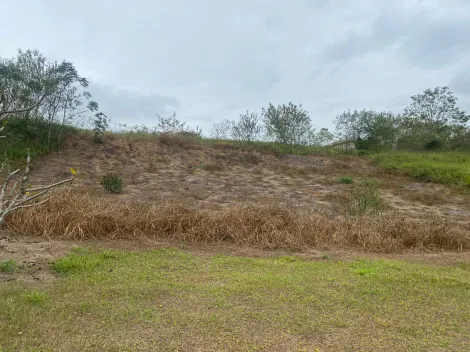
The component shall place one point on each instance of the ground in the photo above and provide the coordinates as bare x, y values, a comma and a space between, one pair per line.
165, 294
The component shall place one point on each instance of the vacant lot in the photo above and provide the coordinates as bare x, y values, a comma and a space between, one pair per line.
170, 300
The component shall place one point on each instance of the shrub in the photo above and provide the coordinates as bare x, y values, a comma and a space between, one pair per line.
113, 183
9, 266
346, 180
365, 199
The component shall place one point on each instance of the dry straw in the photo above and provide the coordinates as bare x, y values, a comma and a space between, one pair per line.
81, 215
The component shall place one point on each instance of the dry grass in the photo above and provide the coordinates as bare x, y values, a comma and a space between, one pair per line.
73, 215
175, 139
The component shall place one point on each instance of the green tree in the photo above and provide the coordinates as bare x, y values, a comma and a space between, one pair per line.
369, 129
247, 128
288, 124
436, 106
222, 129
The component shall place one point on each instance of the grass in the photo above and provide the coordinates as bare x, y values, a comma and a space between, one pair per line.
9, 266
346, 180
79, 215
169, 300
450, 168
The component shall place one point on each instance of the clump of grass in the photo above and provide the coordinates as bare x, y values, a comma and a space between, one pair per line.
81, 216
365, 199
113, 183
9, 266
345, 180
77, 260
36, 297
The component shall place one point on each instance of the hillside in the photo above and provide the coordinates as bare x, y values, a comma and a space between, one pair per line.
219, 179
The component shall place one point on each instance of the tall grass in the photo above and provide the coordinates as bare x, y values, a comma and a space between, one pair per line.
73, 215
451, 168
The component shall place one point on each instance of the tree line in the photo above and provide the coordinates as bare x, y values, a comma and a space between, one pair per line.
432, 121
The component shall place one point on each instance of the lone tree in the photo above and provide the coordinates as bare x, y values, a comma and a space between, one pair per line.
288, 124
247, 128
436, 106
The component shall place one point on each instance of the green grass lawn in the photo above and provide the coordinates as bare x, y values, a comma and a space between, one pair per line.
451, 168
169, 300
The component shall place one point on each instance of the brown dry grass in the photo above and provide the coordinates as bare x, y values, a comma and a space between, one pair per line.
81, 215
176, 139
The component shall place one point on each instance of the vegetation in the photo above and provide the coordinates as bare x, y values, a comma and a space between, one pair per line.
346, 180
365, 199
451, 168
113, 183
9, 266
168, 298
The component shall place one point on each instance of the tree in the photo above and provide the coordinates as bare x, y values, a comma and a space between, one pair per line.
288, 124
323, 137
34, 88
436, 106
369, 129
222, 130
247, 128
170, 124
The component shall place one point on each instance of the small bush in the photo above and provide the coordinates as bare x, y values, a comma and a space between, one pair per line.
9, 266
346, 180
365, 199
113, 183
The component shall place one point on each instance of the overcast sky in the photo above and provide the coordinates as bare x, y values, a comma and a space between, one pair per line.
213, 59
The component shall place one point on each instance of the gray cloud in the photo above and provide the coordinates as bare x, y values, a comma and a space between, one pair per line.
420, 39
211, 60
131, 107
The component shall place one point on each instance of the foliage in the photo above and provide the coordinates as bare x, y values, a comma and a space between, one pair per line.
172, 124
322, 137
345, 180
436, 106
287, 124
9, 266
222, 129
33, 88
113, 183
369, 129
100, 127
247, 128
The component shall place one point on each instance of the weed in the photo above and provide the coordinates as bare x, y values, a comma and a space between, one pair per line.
113, 183
346, 180
9, 266
365, 199
36, 297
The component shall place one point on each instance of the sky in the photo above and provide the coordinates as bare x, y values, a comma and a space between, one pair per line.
210, 60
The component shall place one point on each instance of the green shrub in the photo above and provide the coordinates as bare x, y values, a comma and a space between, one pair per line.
113, 183
346, 180
9, 266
